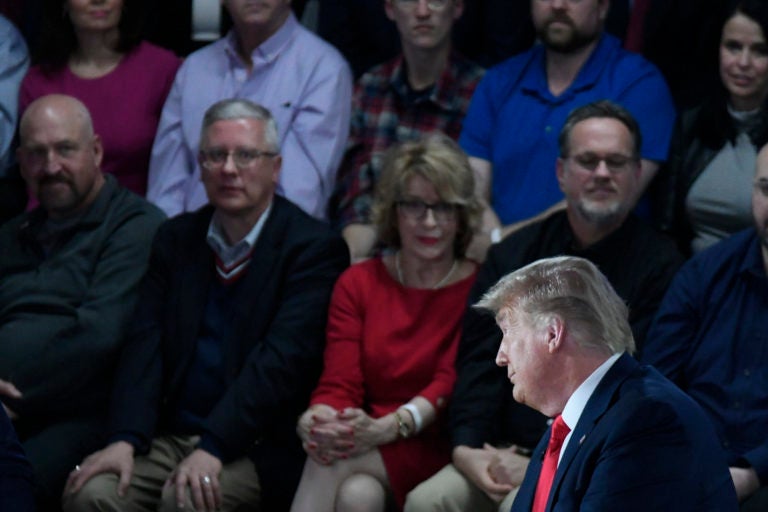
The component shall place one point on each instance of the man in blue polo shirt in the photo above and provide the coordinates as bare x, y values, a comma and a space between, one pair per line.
710, 337
518, 109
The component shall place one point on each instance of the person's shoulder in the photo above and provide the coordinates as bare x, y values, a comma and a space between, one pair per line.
466, 69
10, 228
508, 72
556, 223
37, 76
363, 274
296, 225
315, 48
725, 254
9, 34
379, 76
155, 56
124, 205
650, 397
626, 66
646, 238
214, 52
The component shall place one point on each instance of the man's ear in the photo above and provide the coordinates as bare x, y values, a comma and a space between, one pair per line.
560, 172
388, 9
556, 331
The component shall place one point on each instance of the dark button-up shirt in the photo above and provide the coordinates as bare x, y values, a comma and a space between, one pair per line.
711, 338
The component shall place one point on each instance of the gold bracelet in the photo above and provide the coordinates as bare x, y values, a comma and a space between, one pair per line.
403, 429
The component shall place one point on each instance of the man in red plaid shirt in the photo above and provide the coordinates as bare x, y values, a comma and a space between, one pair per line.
425, 89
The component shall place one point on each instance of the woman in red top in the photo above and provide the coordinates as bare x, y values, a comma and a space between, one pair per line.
372, 431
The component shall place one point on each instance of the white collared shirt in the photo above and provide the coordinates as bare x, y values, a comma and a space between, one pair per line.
578, 400
230, 254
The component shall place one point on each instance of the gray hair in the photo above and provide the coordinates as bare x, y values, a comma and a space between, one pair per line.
238, 108
572, 289
600, 109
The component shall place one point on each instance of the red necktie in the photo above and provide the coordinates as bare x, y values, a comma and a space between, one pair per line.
549, 465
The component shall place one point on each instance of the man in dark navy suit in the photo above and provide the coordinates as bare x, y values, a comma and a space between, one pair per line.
623, 437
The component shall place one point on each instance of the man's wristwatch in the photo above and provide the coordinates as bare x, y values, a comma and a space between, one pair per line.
403, 429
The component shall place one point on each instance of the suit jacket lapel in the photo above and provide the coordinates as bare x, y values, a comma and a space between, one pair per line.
596, 407
197, 268
263, 265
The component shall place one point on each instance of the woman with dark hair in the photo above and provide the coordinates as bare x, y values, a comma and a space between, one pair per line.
704, 192
92, 50
372, 431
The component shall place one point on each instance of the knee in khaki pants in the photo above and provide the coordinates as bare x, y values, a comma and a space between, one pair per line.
450, 491
99, 494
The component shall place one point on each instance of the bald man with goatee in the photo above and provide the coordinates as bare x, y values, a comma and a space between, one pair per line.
69, 271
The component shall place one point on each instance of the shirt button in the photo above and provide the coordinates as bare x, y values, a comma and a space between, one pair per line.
548, 129
747, 372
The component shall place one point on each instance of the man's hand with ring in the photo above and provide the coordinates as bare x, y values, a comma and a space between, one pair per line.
200, 471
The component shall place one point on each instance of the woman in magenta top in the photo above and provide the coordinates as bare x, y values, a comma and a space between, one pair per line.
92, 51
373, 429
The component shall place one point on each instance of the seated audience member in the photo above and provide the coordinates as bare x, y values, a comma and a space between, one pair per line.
373, 430
14, 61
93, 52
489, 30
703, 196
16, 478
623, 436
711, 338
598, 171
267, 57
182, 25
69, 275
226, 343
425, 89
519, 107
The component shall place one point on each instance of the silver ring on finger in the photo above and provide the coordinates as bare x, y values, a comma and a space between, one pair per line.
206, 480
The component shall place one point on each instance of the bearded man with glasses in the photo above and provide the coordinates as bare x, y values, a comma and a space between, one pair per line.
492, 435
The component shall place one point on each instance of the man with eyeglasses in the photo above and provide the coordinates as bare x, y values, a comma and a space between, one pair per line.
69, 276
269, 58
710, 337
598, 171
425, 89
226, 343
510, 131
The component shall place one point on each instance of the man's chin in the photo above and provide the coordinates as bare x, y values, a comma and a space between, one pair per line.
601, 214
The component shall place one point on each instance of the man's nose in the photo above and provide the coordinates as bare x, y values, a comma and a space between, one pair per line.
422, 8
501, 357
52, 163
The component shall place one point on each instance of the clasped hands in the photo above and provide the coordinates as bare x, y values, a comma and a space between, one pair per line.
496, 471
199, 472
328, 434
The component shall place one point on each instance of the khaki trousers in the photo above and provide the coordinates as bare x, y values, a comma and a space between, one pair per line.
238, 481
450, 491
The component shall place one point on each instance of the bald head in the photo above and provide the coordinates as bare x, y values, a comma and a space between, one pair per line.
54, 106
60, 155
